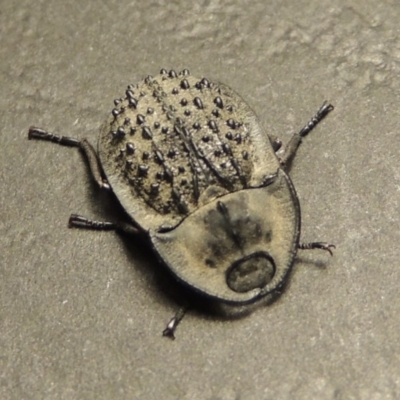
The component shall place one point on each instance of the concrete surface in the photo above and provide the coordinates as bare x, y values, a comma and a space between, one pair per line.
82, 312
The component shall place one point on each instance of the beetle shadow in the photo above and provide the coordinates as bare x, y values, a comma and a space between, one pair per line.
309, 262
166, 287
176, 294
182, 295
214, 310
168, 290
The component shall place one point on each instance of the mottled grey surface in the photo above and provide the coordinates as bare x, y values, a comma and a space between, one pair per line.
82, 312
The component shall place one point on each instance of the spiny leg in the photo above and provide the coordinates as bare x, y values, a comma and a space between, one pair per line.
78, 221
169, 331
84, 145
295, 141
317, 245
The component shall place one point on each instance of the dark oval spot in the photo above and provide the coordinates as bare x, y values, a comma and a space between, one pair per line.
210, 263
251, 272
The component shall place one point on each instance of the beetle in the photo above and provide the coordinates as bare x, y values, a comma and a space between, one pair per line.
196, 174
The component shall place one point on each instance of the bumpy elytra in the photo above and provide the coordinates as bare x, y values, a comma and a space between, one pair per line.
190, 164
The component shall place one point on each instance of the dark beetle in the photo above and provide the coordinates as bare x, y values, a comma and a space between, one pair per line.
194, 171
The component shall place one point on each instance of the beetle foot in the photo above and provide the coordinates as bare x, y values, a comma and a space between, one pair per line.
324, 110
169, 331
318, 245
105, 185
41, 134
77, 221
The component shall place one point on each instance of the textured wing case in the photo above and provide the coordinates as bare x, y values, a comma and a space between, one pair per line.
176, 142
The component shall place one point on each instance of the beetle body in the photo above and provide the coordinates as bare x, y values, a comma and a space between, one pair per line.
189, 163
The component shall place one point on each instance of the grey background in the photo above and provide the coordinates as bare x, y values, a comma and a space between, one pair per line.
82, 312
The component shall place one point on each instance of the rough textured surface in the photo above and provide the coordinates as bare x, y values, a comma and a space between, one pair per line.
82, 312
174, 142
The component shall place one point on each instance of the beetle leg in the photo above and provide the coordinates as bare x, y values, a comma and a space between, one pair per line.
296, 139
77, 221
169, 331
83, 144
317, 245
